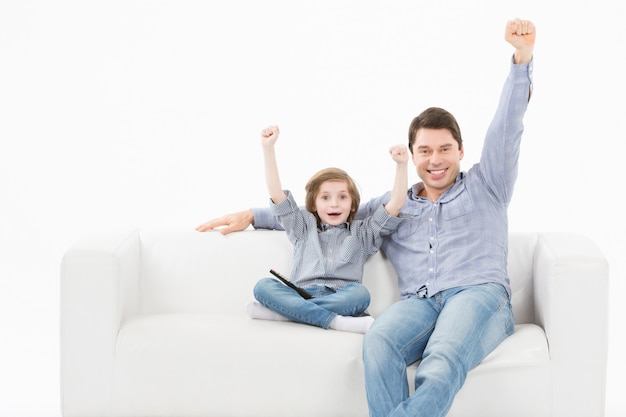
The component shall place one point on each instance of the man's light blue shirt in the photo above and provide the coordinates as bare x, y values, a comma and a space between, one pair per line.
462, 238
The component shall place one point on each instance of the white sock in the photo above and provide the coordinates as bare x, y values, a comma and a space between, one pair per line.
352, 324
258, 311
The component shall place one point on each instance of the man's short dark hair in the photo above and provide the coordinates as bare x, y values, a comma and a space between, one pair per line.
435, 118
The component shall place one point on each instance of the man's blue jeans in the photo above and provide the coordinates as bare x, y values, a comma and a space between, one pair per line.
450, 332
351, 300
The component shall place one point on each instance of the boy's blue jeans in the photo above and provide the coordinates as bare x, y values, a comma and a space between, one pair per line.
351, 300
450, 332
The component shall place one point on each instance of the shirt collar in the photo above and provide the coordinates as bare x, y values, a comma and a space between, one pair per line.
448, 195
324, 227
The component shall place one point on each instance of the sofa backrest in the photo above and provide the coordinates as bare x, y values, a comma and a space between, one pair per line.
191, 272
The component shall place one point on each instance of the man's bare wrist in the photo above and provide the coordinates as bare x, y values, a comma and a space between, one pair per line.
522, 57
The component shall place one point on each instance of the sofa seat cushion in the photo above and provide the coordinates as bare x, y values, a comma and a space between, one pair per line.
518, 375
216, 362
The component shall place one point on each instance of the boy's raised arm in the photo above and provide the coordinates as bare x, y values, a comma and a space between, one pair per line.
269, 136
400, 154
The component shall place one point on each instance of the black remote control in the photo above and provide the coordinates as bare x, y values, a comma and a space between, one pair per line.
290, 284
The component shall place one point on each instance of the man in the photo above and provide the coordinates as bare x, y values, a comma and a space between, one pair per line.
449, 252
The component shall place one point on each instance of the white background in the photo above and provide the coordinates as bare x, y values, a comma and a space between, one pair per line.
121, 114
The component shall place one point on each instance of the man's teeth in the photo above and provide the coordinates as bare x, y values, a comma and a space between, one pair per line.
438, 172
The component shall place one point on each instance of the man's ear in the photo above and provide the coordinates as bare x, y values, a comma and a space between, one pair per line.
461, 153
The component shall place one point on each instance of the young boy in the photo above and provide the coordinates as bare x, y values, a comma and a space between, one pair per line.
330, 249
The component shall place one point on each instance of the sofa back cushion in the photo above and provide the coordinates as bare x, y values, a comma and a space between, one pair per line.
191, 272
521, 265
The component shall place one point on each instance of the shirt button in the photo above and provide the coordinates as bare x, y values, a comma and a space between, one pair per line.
430, 270
430, 219
432, 238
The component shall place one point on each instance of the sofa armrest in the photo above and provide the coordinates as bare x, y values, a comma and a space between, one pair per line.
99, 289
571, 277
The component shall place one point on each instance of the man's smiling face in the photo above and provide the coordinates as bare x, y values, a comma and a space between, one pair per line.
437, 158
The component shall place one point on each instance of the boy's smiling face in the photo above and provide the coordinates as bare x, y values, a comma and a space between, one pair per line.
333, 202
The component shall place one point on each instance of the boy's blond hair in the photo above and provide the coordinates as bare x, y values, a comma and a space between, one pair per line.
331, 174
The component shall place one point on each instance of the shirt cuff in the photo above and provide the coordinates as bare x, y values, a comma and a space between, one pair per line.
521, 71
264, 218
287, 206
523, 74
388, 223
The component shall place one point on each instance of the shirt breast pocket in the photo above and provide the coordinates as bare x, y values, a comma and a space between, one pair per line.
411, 220
457, 208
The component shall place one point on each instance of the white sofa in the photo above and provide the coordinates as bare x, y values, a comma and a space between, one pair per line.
153, 323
